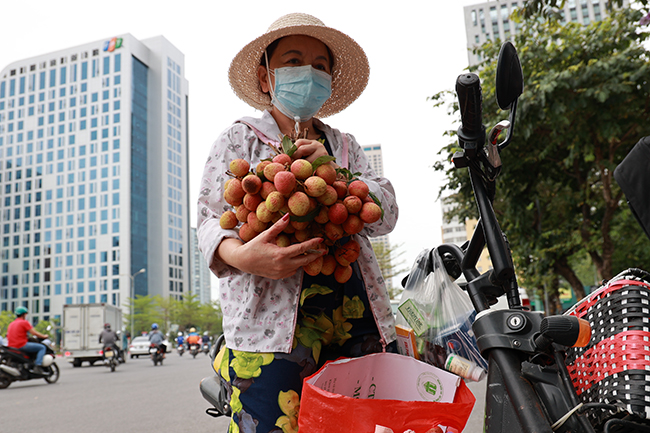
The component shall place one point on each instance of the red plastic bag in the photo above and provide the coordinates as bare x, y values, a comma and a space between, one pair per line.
327, 412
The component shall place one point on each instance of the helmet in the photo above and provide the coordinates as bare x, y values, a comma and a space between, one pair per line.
154, 326
107, 326
205, 333
21, 310
180, 333
192, 329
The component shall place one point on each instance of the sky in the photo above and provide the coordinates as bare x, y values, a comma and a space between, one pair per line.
416, 48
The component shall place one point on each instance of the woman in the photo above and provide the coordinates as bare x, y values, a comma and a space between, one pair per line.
297, 72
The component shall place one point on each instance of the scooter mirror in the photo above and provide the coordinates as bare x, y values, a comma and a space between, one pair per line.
510, 77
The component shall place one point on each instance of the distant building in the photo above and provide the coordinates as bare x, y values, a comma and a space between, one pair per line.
455, 231
490, 20
373, 152
199, 270
93, 175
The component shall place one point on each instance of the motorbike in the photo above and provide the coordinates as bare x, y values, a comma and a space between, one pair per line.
205, 348
16, 365
215, 389
181, 349
194, 349
157, 353
530, 389
111, 357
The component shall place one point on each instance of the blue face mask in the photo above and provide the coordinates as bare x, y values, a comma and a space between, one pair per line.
300, 91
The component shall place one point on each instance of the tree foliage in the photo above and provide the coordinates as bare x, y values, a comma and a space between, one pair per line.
186, 314
390, 265
585, 104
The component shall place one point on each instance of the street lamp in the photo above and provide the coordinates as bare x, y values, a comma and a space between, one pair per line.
141, 271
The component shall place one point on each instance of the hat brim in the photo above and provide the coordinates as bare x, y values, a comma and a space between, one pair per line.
349, 75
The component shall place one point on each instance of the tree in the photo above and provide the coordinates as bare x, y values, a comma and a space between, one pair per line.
387, 257
6, 317
585, 104
551, 8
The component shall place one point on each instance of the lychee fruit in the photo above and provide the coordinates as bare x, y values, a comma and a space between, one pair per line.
272, 169
352, 203
358, 188
274, 201
251, 184
337, 213
285, 182
302, 169
228, 220
370, 212
239, 167
353, 225
315, 186
299, 203
327, 173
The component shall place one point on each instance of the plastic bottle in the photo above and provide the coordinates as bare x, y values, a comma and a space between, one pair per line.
464, 368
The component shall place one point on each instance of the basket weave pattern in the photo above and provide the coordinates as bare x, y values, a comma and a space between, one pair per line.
615, 366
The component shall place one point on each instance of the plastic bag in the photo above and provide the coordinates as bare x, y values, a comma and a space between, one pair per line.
382, 391
440, 315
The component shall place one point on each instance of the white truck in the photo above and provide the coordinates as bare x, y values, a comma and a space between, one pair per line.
82, 324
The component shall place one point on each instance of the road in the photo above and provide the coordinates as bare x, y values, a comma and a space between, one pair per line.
137, 397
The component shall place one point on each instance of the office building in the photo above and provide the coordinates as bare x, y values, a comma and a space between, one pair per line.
199, 271
491, 20
373, 152
94, 176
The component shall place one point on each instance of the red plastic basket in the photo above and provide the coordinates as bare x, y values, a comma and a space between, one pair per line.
615, 366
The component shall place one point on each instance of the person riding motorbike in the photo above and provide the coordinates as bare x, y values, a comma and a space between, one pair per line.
206, 339
180, 339
109, 338
17, 338
156, 337
193, 338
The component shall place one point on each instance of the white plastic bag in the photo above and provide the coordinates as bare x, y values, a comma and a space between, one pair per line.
440, 314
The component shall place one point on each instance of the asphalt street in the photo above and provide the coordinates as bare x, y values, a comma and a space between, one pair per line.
137, 397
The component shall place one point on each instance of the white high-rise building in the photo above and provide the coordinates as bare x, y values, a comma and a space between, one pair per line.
373, 152
94, 176
199, 270
490, 20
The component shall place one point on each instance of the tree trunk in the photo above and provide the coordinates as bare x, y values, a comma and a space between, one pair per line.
562, 267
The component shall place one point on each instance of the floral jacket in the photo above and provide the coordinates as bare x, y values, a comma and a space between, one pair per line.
259, 314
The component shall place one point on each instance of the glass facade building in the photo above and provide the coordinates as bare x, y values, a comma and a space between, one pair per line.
93, 176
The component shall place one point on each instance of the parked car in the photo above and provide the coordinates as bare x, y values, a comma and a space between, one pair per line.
140, 346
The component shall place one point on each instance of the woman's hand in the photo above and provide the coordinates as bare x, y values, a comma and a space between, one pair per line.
309, 149
261, 256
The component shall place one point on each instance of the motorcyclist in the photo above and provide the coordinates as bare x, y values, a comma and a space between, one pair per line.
156, 337
193, 338
109, 338
206, 339
17, 338
180, 339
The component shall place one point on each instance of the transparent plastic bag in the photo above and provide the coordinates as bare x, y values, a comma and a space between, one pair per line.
440, 315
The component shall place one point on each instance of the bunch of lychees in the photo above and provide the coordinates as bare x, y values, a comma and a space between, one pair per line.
322, 201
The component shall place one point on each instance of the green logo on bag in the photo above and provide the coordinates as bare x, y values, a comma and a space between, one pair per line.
414, 317
429, 387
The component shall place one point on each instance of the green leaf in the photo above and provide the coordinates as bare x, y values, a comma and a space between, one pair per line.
322, 160
287, 145
312, 291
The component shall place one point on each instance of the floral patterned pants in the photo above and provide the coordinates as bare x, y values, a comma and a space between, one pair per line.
334, 321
